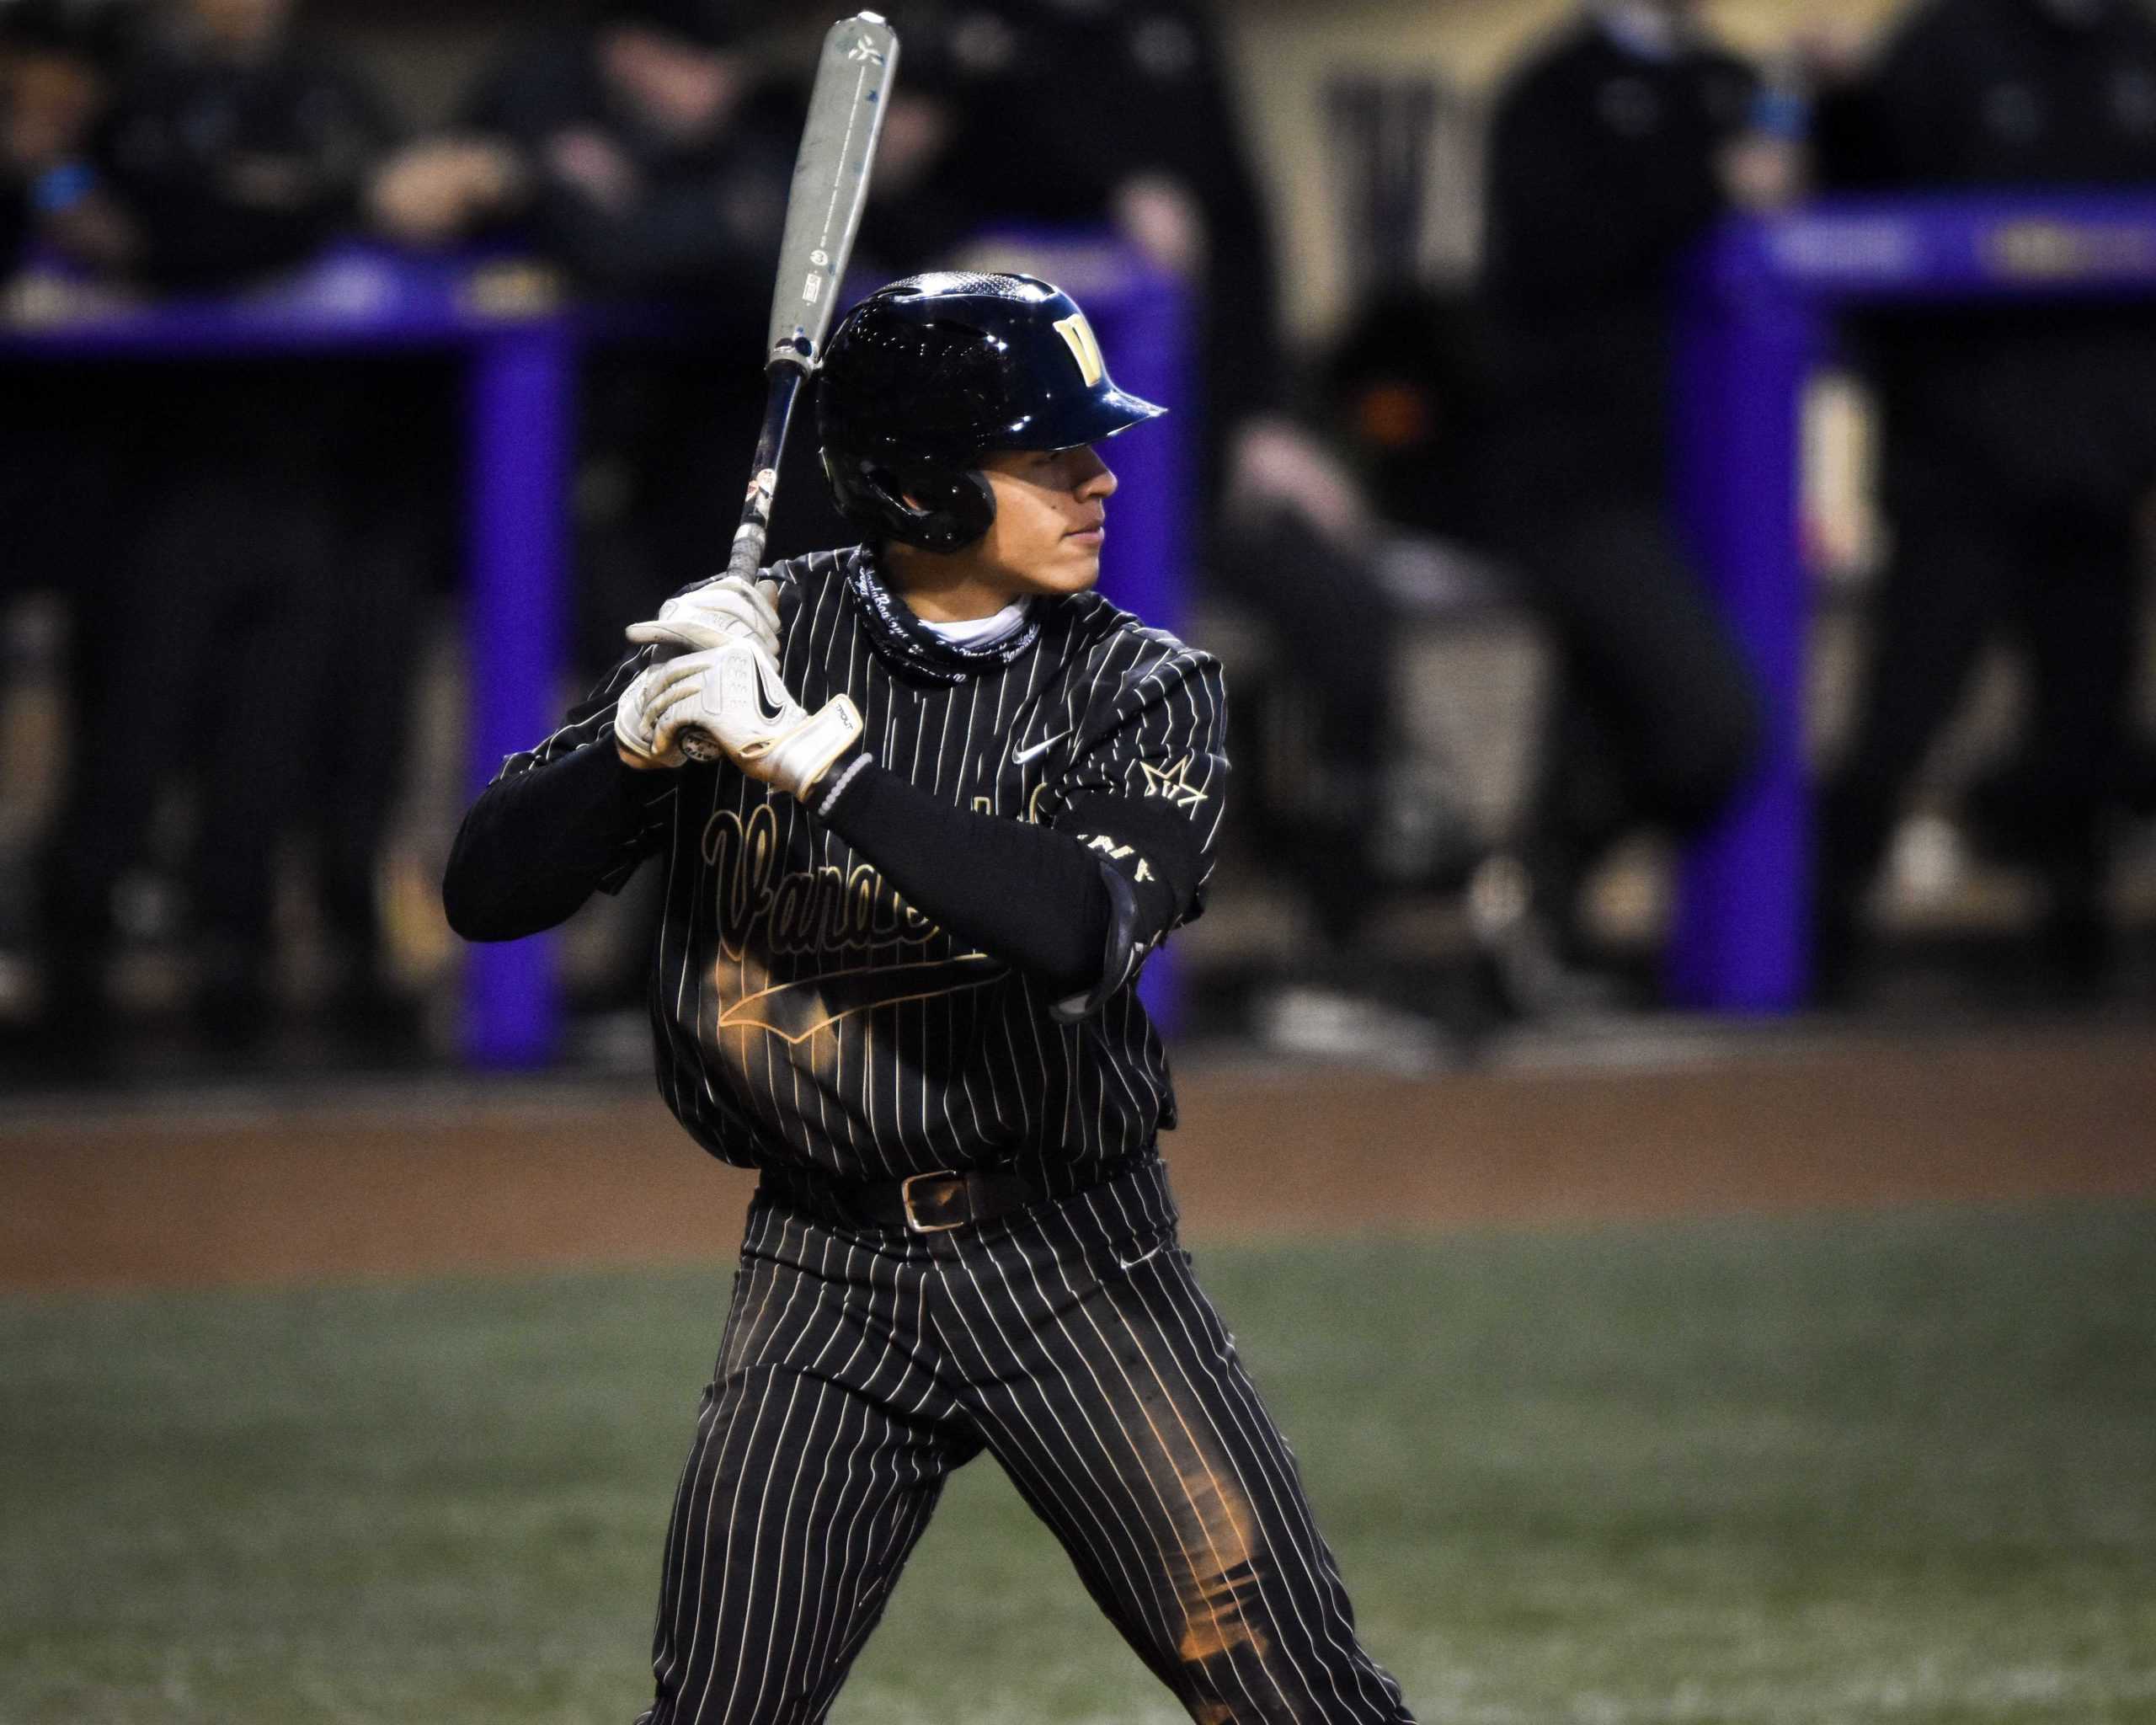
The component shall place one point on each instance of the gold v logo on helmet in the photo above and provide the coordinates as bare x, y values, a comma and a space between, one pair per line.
1083, 348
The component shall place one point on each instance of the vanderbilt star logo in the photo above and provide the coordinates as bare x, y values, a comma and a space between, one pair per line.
1174, 783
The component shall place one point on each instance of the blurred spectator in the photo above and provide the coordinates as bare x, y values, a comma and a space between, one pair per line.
1379, 452
58, 59
1112, 113
1299, 543
1613, 150
59, 481
643, 152
2019, 443
238, 149
1406, 390
647, 153
233, 153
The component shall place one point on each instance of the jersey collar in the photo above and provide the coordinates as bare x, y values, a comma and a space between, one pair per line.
909, 646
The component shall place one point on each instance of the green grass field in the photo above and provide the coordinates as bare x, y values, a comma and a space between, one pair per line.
1895, 1468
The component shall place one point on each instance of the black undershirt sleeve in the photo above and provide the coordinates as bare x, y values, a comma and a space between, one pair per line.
1028, 895
538, 843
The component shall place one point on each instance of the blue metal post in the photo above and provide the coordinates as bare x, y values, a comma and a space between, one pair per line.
1145, 333
520, 430
1740, 939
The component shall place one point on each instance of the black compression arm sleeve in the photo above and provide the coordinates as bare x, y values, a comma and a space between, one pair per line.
1027, 894
537, 844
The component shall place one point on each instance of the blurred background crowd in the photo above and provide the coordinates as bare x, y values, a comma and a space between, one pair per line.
1432, 253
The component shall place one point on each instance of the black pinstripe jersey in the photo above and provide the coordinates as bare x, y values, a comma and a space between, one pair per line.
803, 1013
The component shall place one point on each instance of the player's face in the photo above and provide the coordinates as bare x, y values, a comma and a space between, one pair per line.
1051, 515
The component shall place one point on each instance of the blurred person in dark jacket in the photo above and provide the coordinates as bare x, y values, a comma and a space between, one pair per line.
1613, 150
60, 489
1406, 389
60, 482
238, 148
1116, 113
645, 151
2019, 442
234, 153
59, 60
1379, 453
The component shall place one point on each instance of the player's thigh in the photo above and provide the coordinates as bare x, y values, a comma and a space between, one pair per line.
805, 1489
1130, 1425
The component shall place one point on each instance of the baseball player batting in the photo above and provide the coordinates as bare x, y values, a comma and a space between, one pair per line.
954, 799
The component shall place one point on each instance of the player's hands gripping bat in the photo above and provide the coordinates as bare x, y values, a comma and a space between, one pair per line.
823, 214
721, 609
735, 696
636, 733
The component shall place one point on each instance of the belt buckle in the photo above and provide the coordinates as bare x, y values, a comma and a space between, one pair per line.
913, 1223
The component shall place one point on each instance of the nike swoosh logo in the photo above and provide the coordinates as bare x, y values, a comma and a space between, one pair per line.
1020, 757
1132, 1263
771, 712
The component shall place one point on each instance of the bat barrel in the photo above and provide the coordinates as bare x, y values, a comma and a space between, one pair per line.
831, 183
823, 213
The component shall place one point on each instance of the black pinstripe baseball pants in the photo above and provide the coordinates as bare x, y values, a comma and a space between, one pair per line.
1072, 1343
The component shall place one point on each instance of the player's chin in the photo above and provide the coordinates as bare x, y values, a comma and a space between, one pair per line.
1077, 564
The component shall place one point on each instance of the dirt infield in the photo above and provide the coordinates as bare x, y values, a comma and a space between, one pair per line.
530, 1176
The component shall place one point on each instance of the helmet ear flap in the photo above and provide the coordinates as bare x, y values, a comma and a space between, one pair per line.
955, 505
935, 507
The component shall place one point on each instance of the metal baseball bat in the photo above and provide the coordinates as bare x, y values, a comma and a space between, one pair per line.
823, 214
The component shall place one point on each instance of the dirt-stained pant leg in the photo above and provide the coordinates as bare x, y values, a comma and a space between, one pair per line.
821, 1449
1105, 1384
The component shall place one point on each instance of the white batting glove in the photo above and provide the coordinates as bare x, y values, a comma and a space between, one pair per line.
636, 725
727, 609
734, 699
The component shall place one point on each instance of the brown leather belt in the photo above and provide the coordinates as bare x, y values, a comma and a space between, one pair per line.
923, 1203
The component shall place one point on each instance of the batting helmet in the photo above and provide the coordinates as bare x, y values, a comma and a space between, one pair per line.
926, 376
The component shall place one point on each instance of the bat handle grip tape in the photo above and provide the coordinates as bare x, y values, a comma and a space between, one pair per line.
747, 554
